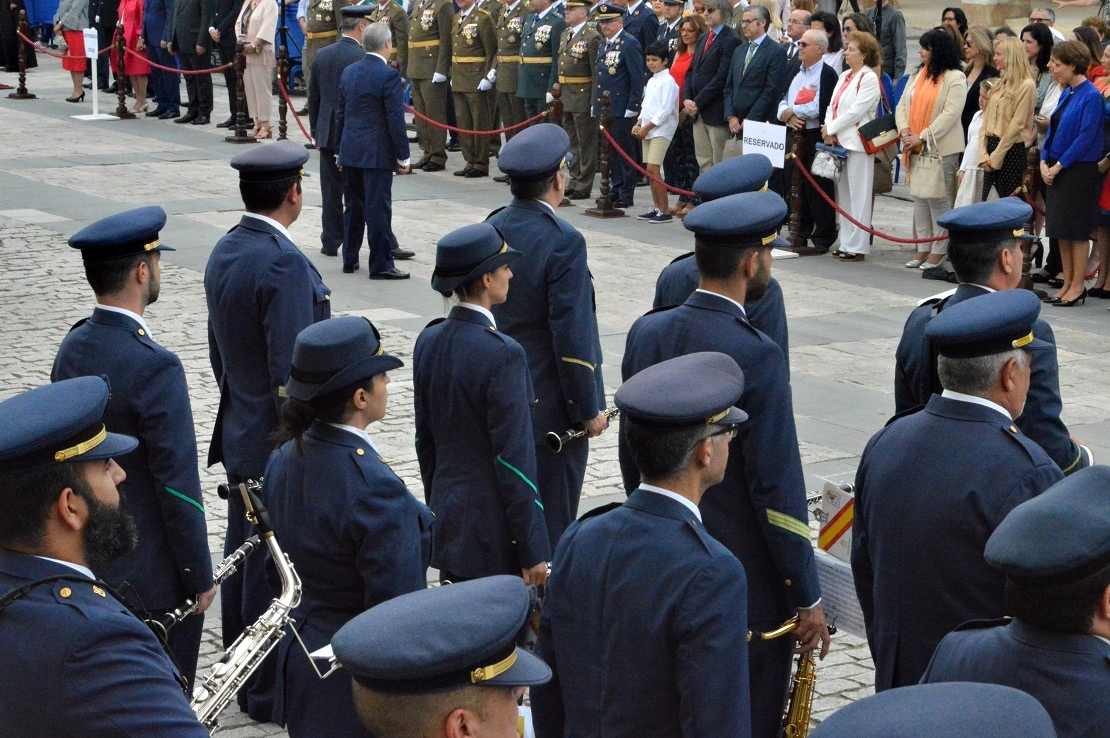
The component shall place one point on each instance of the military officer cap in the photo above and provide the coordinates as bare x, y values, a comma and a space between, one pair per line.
686, 392
274, 162
57, 423
990, 324
674, 2
357, 11
747, 173
442, 638
535, 153
124, 234
577, 3
466, 254
336, 353
1060, 537
608, 12
956, 709
750, 219
987, 221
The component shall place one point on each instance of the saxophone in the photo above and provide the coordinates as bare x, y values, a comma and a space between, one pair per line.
228, 674
795, 719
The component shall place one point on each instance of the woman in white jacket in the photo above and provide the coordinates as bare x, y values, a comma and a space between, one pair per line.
853, 103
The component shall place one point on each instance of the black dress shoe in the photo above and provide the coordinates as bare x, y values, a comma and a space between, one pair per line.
622, 204
420, 163
578, 195
87, 85
402, 254
350, 270
642, 181
169, 114
201, 120
454, 147
329, 252
303, 111
393, 273
156, 113
229, 123
475, 174
187, 118
433, 167
504, 178
461, 172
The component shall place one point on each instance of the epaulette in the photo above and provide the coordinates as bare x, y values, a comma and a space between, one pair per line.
982, 624
77, 325
677, 259
905, 413
600, 511
437, 321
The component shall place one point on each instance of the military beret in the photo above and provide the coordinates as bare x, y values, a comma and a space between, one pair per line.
336, 353
989, 324
608, 12
443, 637
744, 220
274, 162
688, 391
535, 153
357, 11
59, 422
747, 173
466, 254
951, 709
987, 221
1061, 536
124, 234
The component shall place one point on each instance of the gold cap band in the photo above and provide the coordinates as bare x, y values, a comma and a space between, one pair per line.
717, 417
83, 447
1023, 341
152, 245
483, 673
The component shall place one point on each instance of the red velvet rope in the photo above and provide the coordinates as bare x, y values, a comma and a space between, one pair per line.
289, 106
213, 70
67, 55
465, 132
641, 170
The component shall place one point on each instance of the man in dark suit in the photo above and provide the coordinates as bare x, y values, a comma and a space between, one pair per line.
150, 401
189, 39
642, 589
323, 98
754, 83
759, 511
986, 257
372, 144
223, 34
167, 85
105, 19
705, 83
808, 92
620, 71
795, 27
920, 528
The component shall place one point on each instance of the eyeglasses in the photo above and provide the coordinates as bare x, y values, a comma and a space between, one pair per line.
967, 44
731, 430
947, 18
794, 22
747, 21
802, 44
1038, 20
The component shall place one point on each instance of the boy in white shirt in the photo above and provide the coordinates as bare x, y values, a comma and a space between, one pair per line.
656, 126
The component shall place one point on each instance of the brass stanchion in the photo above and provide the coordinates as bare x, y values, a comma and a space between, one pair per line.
282, 75
21, 91
240, 136
1031, 185
604, 207
121, 79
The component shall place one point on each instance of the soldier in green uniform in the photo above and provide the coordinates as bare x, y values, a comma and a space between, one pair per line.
510, 28
393, 15
577, 56
321, 28
429, 61
473, 51
538, 65
495, 9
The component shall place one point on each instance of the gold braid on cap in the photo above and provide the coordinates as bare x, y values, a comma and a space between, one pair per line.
482, 673
770, 239
83, 447
152, 245
1023, 341
715, 418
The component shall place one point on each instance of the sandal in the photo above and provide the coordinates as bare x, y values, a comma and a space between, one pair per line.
261, 133
848, 256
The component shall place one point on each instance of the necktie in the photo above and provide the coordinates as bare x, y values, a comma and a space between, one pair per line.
708, 42
748, 58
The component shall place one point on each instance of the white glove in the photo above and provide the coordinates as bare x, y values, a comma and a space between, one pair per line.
437, 78
484, 85
550, 98
492, 76
631, 114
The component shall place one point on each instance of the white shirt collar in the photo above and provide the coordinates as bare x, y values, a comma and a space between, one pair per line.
545, 203
615, 36
718, 294
124, 311
479, 309
358, 432
281, 229
674, 496
973, 399
466, 13
633, 8
577, 28
511, 6
758, 41
1104, 640
371, 53
77, 567
545, 11
984, 287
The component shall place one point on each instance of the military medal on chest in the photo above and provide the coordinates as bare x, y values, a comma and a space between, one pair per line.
470, 32
542, 34
578, 49
427, 18
612, 60
514, 27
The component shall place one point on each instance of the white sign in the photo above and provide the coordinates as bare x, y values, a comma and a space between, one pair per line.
838, 594
767, 139
90, 43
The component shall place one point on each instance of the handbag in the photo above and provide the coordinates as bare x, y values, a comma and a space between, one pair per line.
828, 162
927, 172
884, 159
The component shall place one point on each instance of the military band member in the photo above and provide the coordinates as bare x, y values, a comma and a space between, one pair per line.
645, 625
550, 312
429, 62
150, 400
539, 66
506, 66
1055, 553
443, 662
985, 254
620, 72
357, 535
473, 398
759, 511
575, 82
76, 661
393, 15
473, 52
322, 28
980, 466
667, 32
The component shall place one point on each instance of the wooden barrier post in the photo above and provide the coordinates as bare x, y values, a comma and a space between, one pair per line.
604, 207
21, 91
798, 150
240, 136
283, 90
556, 115
1030, 185
121, 79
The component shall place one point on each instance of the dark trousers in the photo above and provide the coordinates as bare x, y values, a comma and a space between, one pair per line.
622, 177
818, 217
368, 195
198, 86
227, 56
183, 643
769, 664
331, 196
511, 109
167, 85
559, 477
533, 106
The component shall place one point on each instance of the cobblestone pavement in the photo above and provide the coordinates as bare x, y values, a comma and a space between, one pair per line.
57, 174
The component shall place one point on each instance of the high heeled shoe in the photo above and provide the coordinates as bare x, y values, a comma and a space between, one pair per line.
79, 98
1072, 303
262, 133
1099, 292
140, 108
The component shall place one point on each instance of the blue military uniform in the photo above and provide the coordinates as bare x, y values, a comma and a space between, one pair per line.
620, 72
261, 291
759, 511
363, 542
915, 368
641, 22
645, 619
76, 661
473, 399
914, 588
150, 400
667, 34
550, 312
1055, 543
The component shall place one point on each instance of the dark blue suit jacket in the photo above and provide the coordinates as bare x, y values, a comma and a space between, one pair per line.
370, 116
1068, 674
323, 96
754, 94
76, 661
358, 538
680, 278
150, 400
644, 629
619, 70
643, 25
930, 489
474, 400
915, 380
261, 291
705, 79
156, 16
759, 510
